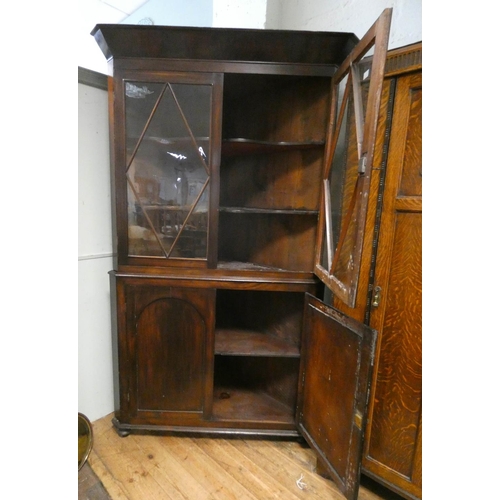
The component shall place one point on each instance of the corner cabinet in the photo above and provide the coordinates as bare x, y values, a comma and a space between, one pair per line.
231, 162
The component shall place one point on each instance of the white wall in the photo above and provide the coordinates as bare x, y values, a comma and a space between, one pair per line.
90, 13
355, 16
95, 384
239, 13
174, 13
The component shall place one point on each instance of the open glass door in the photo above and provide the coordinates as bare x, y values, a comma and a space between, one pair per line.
356, 93
337, 352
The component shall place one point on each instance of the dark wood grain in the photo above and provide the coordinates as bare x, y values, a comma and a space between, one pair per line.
278, 315
336, 365
265, 388
163, 350
230, 44
280, 241
274, 108
245, 342
279, 181
169, 349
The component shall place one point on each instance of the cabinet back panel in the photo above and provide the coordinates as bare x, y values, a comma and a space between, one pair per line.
279, 241
275, 108
276, 313
275, 377
287, 180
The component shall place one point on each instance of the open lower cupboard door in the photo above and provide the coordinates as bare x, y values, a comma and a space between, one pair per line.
337, 351
336, 367
356, 95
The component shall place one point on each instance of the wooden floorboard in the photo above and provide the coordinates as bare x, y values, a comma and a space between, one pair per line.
90, 486
140, 467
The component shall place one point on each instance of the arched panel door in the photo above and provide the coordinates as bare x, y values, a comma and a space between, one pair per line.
170, 337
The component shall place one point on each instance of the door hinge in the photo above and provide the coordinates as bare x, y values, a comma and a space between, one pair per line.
376, 296
358, 419
362, 164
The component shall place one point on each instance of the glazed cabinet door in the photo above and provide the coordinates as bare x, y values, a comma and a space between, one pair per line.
335, 373
163, 334
356, 95
167, 149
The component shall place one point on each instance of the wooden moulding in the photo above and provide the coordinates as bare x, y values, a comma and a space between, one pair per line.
223, 44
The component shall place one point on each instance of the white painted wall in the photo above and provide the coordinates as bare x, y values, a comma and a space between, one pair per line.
174, 13
90, 13
95, 383
355, 16
239, 13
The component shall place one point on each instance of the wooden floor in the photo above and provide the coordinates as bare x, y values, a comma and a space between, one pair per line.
148, 467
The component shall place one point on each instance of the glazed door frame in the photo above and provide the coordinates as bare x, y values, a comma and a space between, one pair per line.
121, 163
329, 259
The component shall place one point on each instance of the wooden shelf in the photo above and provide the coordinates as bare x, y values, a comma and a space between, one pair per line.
276, 211
240, 146
237, 404
238, 342
173, 208
248, 266
168, 141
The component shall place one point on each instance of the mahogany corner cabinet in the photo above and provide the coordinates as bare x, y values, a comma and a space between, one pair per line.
241, 165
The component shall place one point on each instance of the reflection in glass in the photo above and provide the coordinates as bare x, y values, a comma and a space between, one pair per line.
167, 131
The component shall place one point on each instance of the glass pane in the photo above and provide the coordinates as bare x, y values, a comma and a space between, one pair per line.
167, 132
346, 185
338, 178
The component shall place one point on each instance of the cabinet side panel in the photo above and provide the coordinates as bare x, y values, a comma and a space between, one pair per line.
393, 445
411, 177
396, 413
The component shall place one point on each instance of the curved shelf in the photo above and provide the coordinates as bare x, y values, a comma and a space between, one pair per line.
238, 342
249, 405
240, 146
278, 211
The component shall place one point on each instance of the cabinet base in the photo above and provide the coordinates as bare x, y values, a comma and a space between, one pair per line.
124, 430
389, 485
